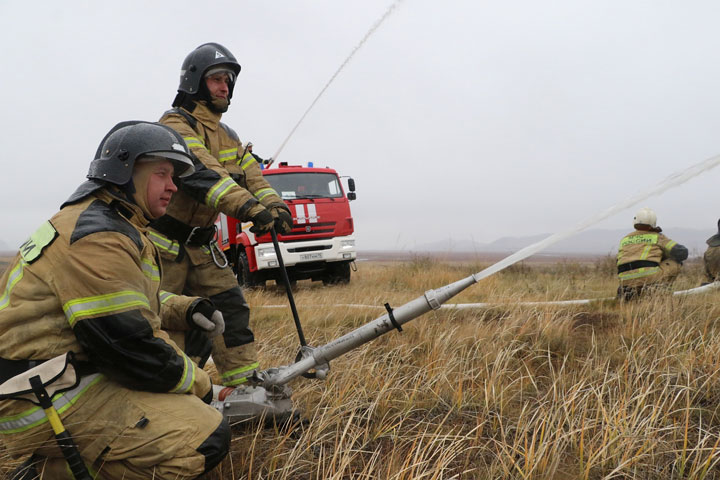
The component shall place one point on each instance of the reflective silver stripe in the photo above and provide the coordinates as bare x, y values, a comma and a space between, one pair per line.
216, 193
165, 296
36, 416
188, 377
110, 303
264, 192
239, 375
226, 155
15, 275
247, 160
150, 270
639, 273
193, 142
164, 243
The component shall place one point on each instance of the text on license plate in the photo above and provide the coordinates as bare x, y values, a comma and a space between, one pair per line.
311, 256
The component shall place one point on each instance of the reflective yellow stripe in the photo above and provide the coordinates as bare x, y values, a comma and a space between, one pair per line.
227, 155
165, 296
188, 377
217, 192
41, 238
194, 142
232, 373
15, 275
36, 416
150, 270
646, 252
638, 273
670, 245
264, 192
164, 243
247, 160
235, 383
112, 302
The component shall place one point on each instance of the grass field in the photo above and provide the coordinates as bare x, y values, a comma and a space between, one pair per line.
542, 392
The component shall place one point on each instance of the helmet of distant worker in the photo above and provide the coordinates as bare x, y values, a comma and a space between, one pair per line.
207, 74
645, 216
142, 158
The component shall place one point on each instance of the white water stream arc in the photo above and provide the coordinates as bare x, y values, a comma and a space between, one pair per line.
673, 180
372, 30
677, 178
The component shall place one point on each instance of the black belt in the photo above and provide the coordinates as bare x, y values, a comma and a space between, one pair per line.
185, 234
12, 368
636, 264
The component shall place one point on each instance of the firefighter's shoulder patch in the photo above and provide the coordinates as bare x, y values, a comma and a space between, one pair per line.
101, 217
33, 247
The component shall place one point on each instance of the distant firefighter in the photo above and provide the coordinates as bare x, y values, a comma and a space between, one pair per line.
712, 257
647, 258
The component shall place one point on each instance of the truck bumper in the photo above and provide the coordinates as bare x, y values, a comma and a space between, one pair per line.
335, 249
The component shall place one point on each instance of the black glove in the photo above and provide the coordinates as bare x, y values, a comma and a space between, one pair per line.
262, 221
204, 316
283, 219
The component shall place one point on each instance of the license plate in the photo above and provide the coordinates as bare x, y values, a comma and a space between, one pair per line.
311, 256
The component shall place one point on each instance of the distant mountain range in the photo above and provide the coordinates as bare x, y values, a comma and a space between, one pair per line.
592, 242
589, 242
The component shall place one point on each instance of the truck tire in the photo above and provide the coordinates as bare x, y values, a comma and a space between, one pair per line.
245, 277
337, 274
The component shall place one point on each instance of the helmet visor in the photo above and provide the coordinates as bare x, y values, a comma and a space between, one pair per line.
181, 163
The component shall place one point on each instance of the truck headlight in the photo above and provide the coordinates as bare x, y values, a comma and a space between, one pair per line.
266, 253
347, 243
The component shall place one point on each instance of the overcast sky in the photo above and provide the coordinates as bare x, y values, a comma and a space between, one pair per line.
469, 120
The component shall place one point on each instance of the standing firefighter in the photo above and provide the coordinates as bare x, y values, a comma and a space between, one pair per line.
711, 258
229, 181
88, 281
646, 257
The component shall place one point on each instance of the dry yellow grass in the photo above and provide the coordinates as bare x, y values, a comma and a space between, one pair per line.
543, 392
585, 392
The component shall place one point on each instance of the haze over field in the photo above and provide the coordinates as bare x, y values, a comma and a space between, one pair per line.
465, 120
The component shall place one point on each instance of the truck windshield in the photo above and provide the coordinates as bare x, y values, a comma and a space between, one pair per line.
305, 185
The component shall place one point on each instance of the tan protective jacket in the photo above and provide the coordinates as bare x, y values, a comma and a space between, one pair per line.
88, 280
231, 183
642, 245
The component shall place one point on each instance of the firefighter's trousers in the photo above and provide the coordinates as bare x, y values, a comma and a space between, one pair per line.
127, 434
660, 281
196, 274
711, 259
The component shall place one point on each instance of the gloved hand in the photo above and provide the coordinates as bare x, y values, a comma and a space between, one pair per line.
261, 218
204, 316
283, 219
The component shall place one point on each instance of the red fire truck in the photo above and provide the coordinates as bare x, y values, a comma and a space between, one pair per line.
321, 245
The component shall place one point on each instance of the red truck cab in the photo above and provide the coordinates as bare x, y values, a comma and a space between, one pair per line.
321, 245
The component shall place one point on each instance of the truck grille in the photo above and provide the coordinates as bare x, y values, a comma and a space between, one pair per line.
315, 228
314, 248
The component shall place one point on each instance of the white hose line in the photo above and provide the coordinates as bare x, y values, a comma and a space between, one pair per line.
469, 306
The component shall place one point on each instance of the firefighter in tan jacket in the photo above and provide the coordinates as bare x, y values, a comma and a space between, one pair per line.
711, 258
229, 181
646, 257
88, 281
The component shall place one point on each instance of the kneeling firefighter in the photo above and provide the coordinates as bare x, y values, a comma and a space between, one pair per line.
88, 281
647, 258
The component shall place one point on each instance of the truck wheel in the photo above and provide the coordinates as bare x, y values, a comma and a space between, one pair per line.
245, 277
337, 274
